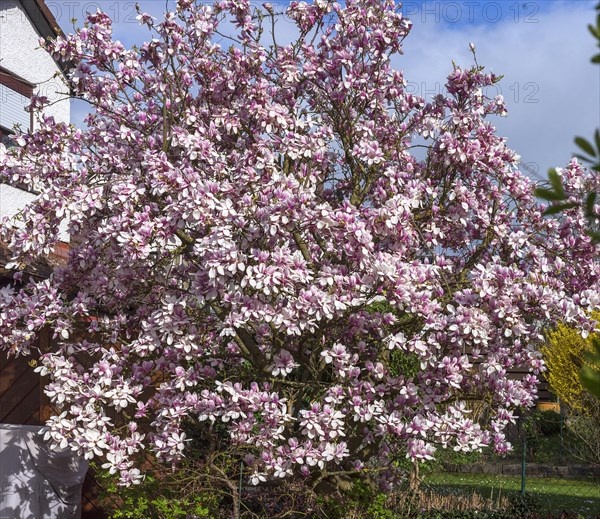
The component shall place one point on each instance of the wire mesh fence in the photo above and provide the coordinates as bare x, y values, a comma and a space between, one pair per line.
554, 467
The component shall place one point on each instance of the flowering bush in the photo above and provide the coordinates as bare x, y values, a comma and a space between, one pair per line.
564, 355
257, 253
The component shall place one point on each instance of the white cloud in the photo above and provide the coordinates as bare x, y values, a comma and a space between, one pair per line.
551, 88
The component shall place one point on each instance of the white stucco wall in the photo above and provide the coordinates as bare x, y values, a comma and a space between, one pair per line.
20, 54
12, 200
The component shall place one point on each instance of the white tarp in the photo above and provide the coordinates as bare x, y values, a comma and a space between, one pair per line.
35, 481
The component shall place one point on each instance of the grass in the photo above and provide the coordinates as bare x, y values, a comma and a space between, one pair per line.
552, 495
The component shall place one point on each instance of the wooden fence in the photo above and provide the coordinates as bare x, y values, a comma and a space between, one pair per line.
23, 402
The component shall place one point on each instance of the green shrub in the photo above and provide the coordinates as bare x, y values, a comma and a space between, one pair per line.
542, 423
155, 498
550, 422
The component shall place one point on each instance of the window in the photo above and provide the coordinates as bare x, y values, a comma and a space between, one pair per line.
15, 96
6, 137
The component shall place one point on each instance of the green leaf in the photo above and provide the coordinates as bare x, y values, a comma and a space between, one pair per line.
548, 194
582, 158
590, 379
589, 203
595, 236
597, 138
556, 181
595, 31
585, 146
596, 59
558, 208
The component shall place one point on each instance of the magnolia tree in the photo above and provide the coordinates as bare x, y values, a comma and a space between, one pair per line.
258, 256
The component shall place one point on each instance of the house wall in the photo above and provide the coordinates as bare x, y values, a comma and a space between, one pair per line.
12, 199
21, 55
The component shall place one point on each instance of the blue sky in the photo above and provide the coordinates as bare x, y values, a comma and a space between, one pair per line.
460, 14
542, 48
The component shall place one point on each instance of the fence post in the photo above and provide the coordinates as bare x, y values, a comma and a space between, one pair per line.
562, 445
239, 503
524, 465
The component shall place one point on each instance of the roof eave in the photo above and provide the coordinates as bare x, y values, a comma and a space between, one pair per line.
46, 25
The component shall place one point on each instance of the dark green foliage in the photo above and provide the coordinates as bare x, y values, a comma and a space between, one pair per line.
591, 155
549, 422
450, 457
595, 31
403, 363
542, 432
155, 498
590, 378
542, 423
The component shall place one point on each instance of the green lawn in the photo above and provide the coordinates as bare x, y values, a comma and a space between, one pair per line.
552, 494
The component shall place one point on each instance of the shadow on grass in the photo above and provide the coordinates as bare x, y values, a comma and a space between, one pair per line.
552, 495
